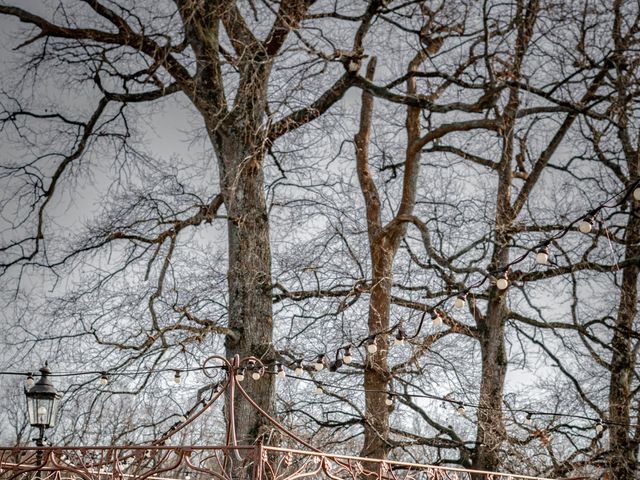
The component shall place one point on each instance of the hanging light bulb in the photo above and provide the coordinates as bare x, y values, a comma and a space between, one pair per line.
104, 379
29, 381
436, 318
542, 257
599, 427
586, 225
372, 347
318, 390
400, 337
460, 409
177, 378
280, 373
182, 419
256, 375
528, 420
319, 363
240, 374
460, 301
298, 370
636, 193
347, 357
389, 400
503, 282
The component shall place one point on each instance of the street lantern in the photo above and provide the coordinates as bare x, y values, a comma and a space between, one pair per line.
43, 401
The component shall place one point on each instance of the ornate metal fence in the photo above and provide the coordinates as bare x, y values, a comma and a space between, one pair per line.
217, 462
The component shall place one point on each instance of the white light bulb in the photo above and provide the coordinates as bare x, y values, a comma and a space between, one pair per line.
240, 375
177, 378
298, 371
459, 302
281, 373
585, 226
436, 321
599, 427
542, 257
318, 366
182, 419
636, 193
255, 375
347, 358
460, 409
372, 347
388, 401
104, 380
29, 381
398, 342
502, 283
318, 390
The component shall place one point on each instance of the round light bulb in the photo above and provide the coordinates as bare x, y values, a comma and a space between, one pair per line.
460, 409
398, 342
182, 419
459, 302
599, 427
318, 366
240, 375
29, 381
542, 257
255, 375
388, 401
298, 371
436, 321
585, 226
372, 347
104, 379
280, 371
636, 193
502, 283
318, 390
347, 358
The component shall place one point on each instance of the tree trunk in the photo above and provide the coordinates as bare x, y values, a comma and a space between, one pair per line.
249, 275
622, 447
376, 373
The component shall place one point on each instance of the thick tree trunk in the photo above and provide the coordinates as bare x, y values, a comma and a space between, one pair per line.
491, 432
249, 275
376, 373
622, 447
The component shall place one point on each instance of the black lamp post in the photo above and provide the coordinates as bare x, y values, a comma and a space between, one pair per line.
43, 401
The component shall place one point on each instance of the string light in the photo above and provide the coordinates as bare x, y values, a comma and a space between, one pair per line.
177, 378
389, 400
542, 257
240, 374
400, 337
104, 379
256, 375
182, 418
436, 318
280, 373
298, 370
503, 282
460, 301
318, 390
586, 225
599, 427
460, 409
371, 346
319, 363
347, 357
30, 381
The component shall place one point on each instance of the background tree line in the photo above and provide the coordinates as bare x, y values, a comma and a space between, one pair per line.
284, 179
